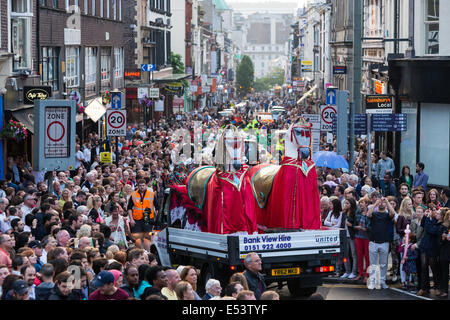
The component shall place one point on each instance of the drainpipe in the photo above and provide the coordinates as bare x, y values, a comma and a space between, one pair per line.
37, 37
411, 52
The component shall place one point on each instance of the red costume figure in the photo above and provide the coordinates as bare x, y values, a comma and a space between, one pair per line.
289, 197
224, 193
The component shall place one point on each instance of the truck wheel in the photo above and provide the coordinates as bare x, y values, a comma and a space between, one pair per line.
297, 291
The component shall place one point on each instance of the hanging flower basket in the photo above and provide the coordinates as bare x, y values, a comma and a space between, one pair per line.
80, 108
14, 130
106, 98
146, 101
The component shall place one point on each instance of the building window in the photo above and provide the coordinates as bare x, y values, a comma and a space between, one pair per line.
50, 67
90, 64
114, 9
44, 2
432, 27
434, 120
120, 10
21, 15
93, 7
316, 35
101, 8
106, 64
118, 62
86, 7
73, 66
107, 9
168, 6
55, 3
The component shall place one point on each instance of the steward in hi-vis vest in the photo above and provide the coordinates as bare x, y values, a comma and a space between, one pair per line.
142, 199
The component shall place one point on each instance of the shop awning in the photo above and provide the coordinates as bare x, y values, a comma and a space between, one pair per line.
26, 116
172, 77
307, 94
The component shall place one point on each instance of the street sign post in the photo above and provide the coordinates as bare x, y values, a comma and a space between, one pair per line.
148, 67
315, 120
116, 122
54, 131
105, 157
116, 100
359, 122
342, 122
389, 122
326, 115
331, 96
154, 93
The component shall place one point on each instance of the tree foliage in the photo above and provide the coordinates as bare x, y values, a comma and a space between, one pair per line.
176, 60
177, 63
275, 77
244, 76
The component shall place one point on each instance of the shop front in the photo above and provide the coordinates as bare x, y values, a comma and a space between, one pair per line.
421, 89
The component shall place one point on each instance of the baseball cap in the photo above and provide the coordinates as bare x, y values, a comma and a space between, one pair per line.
104, 277
34, 244
20, 286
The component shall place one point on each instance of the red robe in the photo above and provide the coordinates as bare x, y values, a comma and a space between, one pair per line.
294, 201
225, 210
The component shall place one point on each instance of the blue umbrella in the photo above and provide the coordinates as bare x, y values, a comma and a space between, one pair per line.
330, 159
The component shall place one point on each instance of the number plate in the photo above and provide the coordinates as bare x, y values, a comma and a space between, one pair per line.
285, 272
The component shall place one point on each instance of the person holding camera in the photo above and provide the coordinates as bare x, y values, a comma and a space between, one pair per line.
142, 209
380, 215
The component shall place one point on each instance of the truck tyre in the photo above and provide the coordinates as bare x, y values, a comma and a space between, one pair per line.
297, 291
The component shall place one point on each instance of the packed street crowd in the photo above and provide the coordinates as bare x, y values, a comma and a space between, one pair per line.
92, 221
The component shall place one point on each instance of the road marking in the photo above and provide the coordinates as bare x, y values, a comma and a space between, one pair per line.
357, 286
410, 294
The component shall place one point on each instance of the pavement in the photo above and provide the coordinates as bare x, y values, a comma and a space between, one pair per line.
337, 282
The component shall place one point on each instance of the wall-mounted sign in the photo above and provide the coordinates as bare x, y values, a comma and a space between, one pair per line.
339, 69
378, 104
174, 88
132, 74
380, 86
142, 92
154, 93
32, 93
307, 66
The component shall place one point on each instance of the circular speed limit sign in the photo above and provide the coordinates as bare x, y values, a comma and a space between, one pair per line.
116, 121
327, 114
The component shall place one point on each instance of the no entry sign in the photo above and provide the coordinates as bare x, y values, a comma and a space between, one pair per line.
56, 141
116, 121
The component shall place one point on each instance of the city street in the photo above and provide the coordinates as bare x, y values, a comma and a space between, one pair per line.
202, 149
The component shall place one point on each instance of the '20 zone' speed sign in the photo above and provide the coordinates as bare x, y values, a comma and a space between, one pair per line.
116, 121
327, 113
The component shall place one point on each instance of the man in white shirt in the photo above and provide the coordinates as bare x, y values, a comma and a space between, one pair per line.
79, 157
3, 224
29, 202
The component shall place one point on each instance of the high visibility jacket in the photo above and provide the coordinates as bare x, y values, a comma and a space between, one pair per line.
141, 204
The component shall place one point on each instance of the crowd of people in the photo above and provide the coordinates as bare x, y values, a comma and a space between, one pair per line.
84, 234
401, 218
